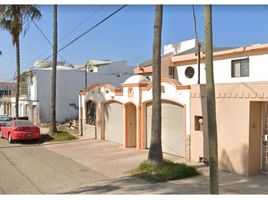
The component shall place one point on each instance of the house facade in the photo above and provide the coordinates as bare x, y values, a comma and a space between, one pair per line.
7, 90
123, 114
70, 80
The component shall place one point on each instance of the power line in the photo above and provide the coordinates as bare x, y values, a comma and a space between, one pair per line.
46, 37
195, 31
92, 28
77, 26
198, 45
84, 21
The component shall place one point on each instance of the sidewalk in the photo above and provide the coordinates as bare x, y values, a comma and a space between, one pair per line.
229, 184
113, 161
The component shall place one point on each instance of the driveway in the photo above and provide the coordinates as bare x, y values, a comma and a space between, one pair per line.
113, 161
105, 157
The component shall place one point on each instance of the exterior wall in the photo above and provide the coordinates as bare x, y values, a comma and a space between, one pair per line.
179, 47
233, 125
69, 83
99, 95
115, 68
166, 63
133, 96
222, 71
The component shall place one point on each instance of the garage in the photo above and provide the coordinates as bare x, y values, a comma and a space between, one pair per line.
173, 126
113, 122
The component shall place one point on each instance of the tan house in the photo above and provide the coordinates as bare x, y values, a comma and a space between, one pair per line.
240, 74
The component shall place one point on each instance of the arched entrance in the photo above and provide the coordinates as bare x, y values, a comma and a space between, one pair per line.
131, 125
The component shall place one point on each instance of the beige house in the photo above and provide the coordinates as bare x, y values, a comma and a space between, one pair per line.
123, 115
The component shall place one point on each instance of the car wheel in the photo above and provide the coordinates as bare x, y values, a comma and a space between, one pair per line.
10, 138
1, 134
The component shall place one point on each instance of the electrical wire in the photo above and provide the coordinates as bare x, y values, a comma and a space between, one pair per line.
43, 34
76, 27
81, 23
195, 30
87, 31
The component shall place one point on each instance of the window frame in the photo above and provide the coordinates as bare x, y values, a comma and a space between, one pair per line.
172, 70
241, 73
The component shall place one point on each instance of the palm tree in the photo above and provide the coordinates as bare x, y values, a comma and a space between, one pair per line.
211, 107
53, 128
12, 19
155, 156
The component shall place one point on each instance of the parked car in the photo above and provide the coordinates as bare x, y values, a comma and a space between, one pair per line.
20, 130
4, 120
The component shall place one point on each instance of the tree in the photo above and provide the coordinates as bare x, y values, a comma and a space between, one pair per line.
53, 128
211, 105
12, 19
155, 156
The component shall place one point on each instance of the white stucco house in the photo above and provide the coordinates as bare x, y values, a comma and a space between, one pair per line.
35, 99
123, 114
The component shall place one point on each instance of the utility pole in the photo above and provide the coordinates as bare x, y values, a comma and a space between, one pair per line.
53, 127
211, 104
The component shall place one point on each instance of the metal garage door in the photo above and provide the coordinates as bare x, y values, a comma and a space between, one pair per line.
172, 128
114, 122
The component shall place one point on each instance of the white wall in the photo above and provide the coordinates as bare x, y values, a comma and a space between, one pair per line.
69, 83
115, 67
258, 70
179, 47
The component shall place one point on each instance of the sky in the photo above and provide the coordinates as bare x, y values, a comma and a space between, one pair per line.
128, 35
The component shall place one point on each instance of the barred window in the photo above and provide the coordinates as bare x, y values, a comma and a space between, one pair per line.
91, 113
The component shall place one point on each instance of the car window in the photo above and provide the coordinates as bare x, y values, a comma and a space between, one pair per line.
23, 123
5, 118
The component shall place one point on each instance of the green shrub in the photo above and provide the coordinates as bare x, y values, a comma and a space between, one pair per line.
59, 136
168, 171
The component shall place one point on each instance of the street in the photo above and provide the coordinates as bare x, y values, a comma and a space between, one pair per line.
100, 167
33, 169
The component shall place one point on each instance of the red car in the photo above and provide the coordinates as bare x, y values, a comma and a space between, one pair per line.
20, 130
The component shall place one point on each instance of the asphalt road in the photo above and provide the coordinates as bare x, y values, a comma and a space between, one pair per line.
32, 169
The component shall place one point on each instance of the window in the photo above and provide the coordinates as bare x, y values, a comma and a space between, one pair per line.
240, 68
171, 72
189, 72
198, 123
24, 86
91, 113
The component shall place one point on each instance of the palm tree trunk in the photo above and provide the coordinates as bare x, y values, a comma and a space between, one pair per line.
53, 128
211, 105
17, 42
155, 156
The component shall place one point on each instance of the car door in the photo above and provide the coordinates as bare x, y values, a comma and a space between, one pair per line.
6, 129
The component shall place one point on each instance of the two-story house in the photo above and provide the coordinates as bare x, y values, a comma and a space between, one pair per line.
36, 87
123, 114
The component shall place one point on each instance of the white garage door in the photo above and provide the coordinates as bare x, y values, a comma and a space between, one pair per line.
172, 128
114, 122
